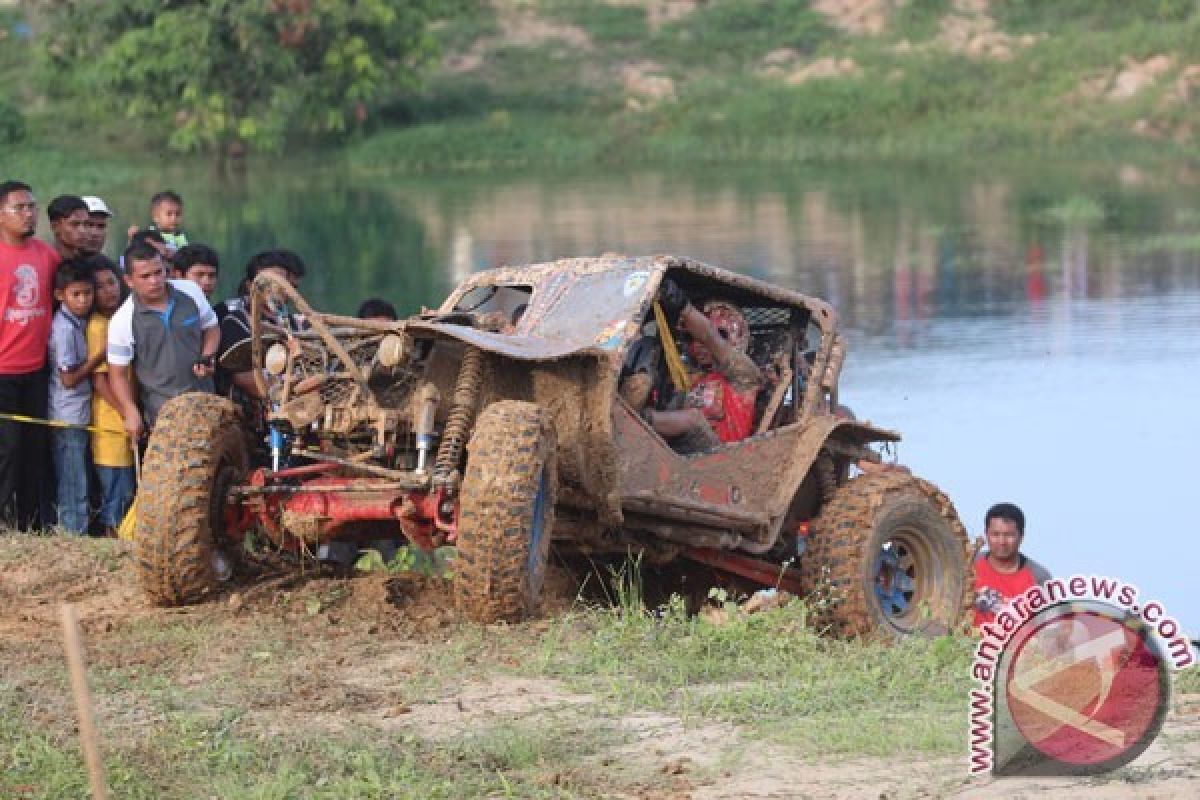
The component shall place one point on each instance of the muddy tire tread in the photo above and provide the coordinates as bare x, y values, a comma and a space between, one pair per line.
842, 531
512, 443
174, 539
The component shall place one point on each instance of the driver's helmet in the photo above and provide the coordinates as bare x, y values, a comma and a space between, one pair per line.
731, 325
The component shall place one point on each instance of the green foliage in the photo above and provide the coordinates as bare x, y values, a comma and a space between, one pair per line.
1188, 681
257, 72
432, 564
1039, 15
741, 31
606, 24
918, 19
853, 107
12, 123
465, 22
497, 141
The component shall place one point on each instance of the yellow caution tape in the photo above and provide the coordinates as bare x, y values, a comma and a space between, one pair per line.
54, 423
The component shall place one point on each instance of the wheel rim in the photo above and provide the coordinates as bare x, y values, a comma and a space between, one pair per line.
904, 576
535, 563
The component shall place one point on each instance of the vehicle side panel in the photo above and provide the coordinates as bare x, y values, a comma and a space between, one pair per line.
759, 475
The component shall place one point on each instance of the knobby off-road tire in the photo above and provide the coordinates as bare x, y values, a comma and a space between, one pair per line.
196, 452
842, 562
506, 514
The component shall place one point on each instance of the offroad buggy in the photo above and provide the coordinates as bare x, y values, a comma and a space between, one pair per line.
496, 423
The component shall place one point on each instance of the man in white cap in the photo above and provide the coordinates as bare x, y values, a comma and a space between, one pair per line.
96, 230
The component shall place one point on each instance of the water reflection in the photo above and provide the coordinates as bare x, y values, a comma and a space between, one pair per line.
888, 248
357, 241
886, 262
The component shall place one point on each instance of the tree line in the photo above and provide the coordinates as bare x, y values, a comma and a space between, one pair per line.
227, 76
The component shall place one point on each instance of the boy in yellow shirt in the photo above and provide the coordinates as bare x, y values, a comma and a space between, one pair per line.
111, 452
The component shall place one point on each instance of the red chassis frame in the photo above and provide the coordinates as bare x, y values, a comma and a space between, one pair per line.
328, 504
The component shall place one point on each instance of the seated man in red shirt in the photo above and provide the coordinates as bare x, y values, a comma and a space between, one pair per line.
719, 405
1002, 572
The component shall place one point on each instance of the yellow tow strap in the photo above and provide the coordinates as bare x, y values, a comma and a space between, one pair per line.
675, 367
128, 525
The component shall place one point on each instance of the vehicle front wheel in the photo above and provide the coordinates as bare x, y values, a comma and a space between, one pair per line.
888, 555
196, 453
506, 514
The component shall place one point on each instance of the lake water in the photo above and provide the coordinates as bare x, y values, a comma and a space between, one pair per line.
1032, 331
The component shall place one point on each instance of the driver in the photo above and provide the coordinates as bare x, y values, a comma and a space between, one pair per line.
724, 381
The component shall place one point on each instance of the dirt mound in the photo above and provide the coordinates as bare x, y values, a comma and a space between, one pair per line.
40, 572
37, 573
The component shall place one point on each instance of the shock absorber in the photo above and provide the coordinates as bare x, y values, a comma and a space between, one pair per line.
458, 420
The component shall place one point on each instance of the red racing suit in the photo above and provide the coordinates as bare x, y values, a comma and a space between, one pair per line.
730, 412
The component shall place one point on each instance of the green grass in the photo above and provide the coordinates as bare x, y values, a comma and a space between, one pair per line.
773, 673
557, 105
606, 25
270, 701
924, 105
225, 756
1188, 681
737, 33
1088, 15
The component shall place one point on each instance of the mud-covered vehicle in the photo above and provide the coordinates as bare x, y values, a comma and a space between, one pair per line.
498, 424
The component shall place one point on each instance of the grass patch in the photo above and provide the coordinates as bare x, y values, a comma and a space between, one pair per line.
926, 104
771, 672
500, 140
605, 24
1188, 681
1088, 15
735, 33
269, 701
226, 756
516, 103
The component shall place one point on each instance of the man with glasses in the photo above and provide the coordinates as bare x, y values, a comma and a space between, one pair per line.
26, 308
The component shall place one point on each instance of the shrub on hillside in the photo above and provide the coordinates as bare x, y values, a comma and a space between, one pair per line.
12, 123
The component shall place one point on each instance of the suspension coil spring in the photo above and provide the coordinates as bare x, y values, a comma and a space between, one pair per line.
458, 420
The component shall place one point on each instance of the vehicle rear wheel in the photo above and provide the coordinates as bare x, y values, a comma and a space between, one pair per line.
506, 514
888, 555
196, 453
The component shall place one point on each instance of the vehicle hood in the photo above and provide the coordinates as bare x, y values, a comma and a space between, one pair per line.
524, 348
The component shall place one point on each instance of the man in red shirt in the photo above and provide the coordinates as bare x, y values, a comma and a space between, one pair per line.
26, 308
1003, 572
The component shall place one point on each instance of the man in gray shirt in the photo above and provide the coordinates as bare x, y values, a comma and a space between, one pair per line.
166, 331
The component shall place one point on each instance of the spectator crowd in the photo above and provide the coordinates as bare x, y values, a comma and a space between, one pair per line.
91, 349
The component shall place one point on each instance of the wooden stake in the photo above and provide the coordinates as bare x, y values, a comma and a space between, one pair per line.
83, 702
